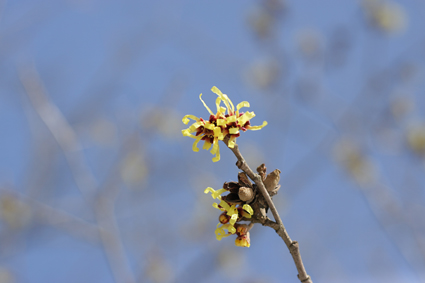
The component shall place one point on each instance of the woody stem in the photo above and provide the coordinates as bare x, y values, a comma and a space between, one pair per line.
278, 226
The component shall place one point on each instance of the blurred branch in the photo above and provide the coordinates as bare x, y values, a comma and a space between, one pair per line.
67, 140
57, 218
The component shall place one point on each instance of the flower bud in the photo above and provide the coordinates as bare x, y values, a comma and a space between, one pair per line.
272, 180
246, 194
262, 171
241, 229
224, 218
243, 241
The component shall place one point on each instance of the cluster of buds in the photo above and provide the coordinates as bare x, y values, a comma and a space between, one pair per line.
237, 205
219, 125
235, 208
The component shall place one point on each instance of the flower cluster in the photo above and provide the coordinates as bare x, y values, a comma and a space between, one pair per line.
219, 125
232, 213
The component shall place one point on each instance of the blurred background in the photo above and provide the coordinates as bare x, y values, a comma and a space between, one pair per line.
97, 183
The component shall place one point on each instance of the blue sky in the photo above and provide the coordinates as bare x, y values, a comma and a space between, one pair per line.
123, 73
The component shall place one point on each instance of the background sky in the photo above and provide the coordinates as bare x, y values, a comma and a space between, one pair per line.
97, 184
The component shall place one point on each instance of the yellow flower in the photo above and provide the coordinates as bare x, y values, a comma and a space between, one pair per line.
219, 125
232, 212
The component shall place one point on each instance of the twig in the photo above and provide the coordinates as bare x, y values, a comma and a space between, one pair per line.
278, 225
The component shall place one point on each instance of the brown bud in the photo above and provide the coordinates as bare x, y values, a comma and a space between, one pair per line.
223, 218
232, 198
272, 180
231, 186
262, 171
246, 194
274, 192
243, 180
241, 229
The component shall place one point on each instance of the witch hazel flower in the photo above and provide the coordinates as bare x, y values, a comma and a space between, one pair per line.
228, 220
219, 125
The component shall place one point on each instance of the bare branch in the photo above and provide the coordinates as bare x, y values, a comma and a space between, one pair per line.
278, 226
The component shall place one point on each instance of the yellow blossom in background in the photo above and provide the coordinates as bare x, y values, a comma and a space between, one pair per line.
355, 162
386, 15
14, 212
219, 125
416, 138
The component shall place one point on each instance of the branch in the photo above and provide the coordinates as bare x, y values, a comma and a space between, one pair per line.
278, 225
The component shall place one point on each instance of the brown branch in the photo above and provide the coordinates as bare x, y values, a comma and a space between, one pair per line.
278, 225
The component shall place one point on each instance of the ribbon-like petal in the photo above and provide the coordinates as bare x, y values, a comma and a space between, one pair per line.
248, 209
187, 133
207, 145
209, 110
246, 117
186, 118
233, 131
194, 146
240, 105
231, 143
231, 119
255, 128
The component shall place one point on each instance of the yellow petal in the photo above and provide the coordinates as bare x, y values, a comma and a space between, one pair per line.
231, 143
194, 147
232, 210
217, 91
223, 97
215, 147
195, 125
209, 110
215, 194
207, 145
229, 228
224, 205
254, 128
187, 133
221, 122
187, 117
231, 119
217, 157
246, 214
231, 104
240, 105
218, 133
233, 219
248, 208
209, 189
217, 103
233, 131
246, 117
220, 233
209, 126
